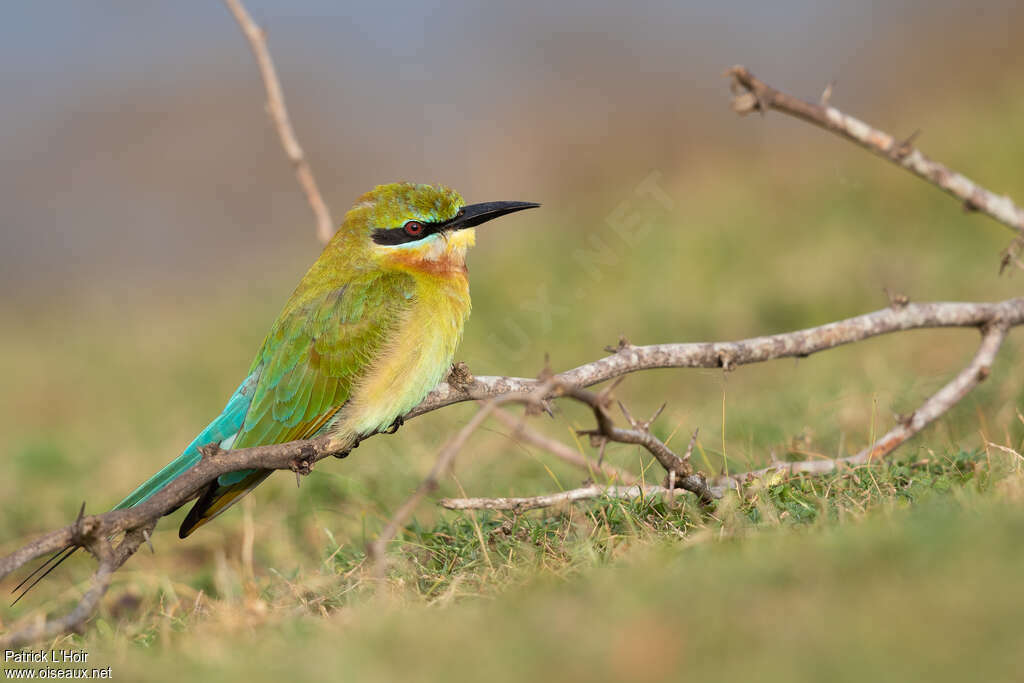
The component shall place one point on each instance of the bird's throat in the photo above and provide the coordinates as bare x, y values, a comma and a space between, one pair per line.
443, 255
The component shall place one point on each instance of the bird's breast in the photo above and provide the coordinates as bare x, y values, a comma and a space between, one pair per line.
415, 357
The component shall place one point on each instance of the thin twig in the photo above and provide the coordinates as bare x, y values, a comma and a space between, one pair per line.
571, 496
257, 38
677, 469
756, 95
110, 560
522, 432
936, 405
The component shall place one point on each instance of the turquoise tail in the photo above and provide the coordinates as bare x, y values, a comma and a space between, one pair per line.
223, 428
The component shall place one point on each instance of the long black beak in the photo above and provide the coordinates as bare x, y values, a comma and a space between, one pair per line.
475, 214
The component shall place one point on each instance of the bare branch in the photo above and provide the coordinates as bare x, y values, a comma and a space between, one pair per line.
522, 432
628, 358
548, 500
755, 95
939, 403
110, 559
257, 38
678, 470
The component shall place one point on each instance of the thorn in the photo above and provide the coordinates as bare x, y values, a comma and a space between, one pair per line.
459, 376
600, 452
210, 450
972, 204
621, 346
657, 413
302, 467
904, 420
826, 94
546, 407
149, 541
298, 480
1011, 253
904, 148
689, 446
546, 372
1004, 262
604, 394
76, 528
896, 299
625, 412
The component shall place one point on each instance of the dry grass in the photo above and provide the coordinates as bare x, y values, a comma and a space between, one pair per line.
871, 573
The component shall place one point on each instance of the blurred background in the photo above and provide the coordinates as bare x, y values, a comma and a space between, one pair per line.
151, 228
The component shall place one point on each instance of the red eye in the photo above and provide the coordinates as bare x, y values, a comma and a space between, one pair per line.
413, 228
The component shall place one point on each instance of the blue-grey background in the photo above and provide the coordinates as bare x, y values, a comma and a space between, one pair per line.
134, 147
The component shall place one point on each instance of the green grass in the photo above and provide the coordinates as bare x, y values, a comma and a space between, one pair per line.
905, 570
902, 572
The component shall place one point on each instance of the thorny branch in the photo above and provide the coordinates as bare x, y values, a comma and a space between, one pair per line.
300, 456
679, 472
752, 94
628, 358
939, 403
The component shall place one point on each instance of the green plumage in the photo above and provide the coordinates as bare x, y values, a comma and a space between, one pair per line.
370, 329
316, 350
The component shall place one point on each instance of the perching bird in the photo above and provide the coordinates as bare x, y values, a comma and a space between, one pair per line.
368, 332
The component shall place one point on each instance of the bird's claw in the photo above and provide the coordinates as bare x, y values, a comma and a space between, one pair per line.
394, 426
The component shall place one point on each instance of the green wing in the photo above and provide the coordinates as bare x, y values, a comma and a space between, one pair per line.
309, 363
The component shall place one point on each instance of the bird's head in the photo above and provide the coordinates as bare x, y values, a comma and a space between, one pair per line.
420, 228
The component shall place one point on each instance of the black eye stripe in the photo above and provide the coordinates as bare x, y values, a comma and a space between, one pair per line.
392, 236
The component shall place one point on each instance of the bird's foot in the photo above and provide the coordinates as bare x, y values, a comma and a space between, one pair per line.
394, 426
